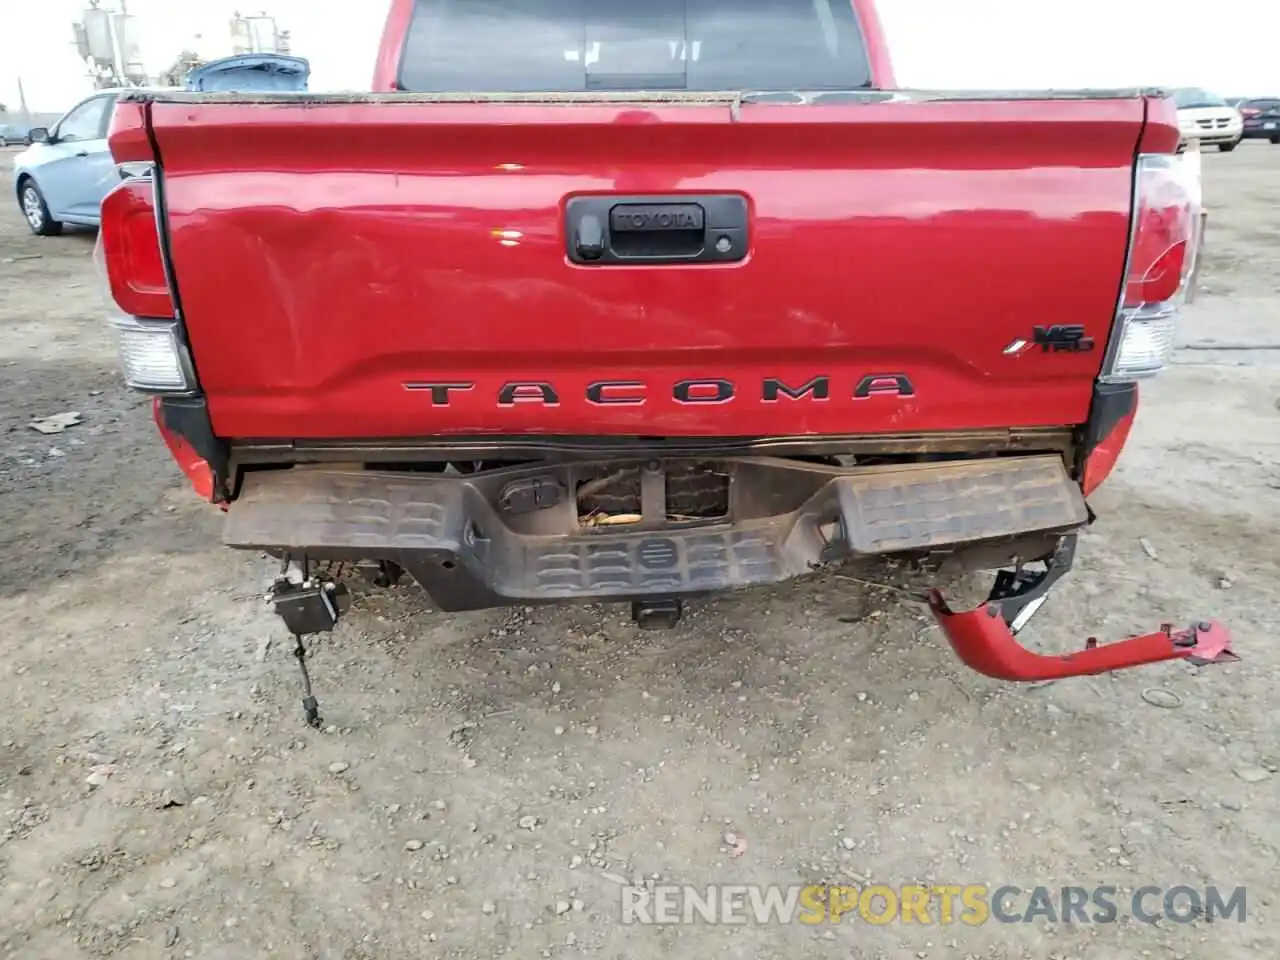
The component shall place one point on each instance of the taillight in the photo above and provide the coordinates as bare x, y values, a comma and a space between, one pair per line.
131, 250
1162, 255
152, 351
1250, 111
1165, 213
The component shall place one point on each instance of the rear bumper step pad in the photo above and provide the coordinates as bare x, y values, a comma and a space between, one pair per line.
448, 533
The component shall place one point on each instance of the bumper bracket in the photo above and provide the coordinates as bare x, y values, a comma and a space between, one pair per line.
984, 641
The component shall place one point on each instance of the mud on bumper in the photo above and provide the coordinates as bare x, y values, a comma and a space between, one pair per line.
516, 535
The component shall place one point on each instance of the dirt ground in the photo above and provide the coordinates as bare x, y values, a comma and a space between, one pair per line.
161, 798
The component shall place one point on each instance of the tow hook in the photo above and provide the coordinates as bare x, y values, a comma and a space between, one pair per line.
983, 640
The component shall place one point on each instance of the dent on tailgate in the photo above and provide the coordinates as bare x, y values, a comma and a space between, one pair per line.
332, 254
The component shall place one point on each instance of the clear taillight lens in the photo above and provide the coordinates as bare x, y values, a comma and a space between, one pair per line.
1146, 340
152, 355
1162, 259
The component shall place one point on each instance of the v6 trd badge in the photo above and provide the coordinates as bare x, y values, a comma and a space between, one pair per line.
1057, 338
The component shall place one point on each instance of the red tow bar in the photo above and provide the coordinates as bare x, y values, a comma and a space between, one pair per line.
983, 640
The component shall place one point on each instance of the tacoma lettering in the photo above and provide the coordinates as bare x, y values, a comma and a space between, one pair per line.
616, 393
528, 392
820, 387
883, 384
704, 390
439, 391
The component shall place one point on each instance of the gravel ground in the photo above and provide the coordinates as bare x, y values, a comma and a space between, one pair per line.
488, 779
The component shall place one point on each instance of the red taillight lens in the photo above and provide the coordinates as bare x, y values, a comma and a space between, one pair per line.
131, 250
1167, 212
1162, 264
1250, 111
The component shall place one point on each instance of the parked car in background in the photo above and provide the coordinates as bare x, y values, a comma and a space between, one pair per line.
11, 133
1261, 118
1208, 118
64, 174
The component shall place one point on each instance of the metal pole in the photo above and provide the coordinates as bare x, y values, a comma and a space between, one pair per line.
121, 63
22, 104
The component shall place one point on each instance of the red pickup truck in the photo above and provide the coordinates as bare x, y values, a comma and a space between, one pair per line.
609, 301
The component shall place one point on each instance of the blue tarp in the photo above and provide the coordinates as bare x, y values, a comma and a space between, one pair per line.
250, 72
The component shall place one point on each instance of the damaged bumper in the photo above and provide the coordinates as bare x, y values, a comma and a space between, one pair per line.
985, 641
985, 638
520, 535
523, 535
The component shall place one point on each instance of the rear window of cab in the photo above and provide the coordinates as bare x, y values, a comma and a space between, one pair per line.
570, 46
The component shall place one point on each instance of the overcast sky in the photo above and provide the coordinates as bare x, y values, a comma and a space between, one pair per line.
1227, 45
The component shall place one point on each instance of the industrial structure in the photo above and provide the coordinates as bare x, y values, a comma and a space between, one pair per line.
108, 41
258, 34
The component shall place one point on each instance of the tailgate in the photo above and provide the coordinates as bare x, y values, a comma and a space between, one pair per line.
392, 266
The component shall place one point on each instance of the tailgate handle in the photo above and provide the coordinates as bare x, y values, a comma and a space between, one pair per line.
603, 230
657, 231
